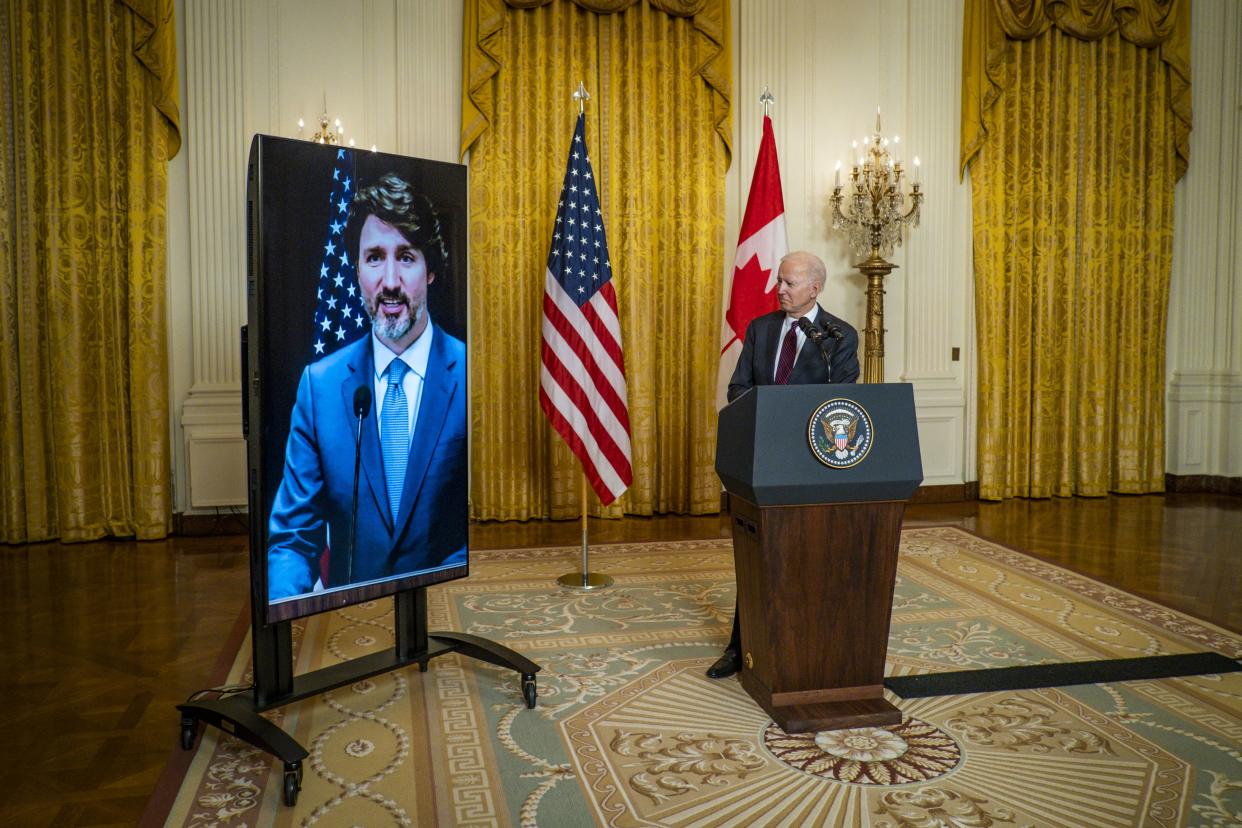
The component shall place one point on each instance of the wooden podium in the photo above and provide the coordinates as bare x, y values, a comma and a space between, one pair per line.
815, 544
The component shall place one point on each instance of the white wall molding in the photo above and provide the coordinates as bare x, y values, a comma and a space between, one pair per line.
217, 156
1204, 344
428, 79
215, 449
216, 145
1206, 386
1205, 423
940, 406
936, 320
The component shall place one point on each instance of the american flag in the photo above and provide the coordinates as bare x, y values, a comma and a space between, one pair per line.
340, 317
582, 379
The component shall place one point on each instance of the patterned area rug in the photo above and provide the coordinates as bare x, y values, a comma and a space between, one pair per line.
629, 732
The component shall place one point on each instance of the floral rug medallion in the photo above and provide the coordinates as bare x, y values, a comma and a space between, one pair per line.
912, 751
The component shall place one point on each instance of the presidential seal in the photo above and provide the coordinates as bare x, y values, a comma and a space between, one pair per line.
840, 433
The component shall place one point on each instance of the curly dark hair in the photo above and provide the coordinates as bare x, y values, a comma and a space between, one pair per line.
393, 200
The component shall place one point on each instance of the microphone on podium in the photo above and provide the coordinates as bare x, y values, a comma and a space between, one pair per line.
826, 338
812, 333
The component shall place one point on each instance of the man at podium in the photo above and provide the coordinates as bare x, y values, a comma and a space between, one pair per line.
797, 345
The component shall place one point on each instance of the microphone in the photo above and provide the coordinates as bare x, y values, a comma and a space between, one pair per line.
362, 402
833, 330
826, 338
812, 333
362, 407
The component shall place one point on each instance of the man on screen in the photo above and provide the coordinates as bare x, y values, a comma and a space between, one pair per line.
412, 481
776, 351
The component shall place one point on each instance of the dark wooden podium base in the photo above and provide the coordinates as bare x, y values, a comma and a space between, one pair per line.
868, 711
815, 595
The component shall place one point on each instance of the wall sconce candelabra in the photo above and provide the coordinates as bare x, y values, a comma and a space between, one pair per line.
877, 213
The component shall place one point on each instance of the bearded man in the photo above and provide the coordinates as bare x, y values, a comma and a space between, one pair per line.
412, 476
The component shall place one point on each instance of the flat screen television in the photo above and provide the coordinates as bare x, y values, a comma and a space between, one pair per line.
355, 375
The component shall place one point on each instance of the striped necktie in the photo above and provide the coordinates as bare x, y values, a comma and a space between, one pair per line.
789, 349
395, 434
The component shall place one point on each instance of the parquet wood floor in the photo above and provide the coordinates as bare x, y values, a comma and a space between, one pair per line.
100, 640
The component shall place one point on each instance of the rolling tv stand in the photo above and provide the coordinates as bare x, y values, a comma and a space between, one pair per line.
275, 685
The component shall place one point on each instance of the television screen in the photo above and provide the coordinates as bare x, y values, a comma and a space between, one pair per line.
356, 394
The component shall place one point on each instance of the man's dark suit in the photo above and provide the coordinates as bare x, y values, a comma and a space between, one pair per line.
758, 358
317, 489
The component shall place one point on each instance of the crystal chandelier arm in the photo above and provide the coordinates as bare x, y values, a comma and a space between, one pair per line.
911, 216
839, 219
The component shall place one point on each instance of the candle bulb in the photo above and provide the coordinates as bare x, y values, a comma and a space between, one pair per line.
837, 176
917, 168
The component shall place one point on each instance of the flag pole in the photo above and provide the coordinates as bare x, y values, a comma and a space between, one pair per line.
584, 579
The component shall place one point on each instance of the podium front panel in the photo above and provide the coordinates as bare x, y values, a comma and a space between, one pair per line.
767, 438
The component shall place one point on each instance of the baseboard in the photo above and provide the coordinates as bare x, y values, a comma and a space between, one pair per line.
227, 522
954, 493
1209, 483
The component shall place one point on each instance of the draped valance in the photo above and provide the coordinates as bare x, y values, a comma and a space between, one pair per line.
155, 48
485, 20
992, 25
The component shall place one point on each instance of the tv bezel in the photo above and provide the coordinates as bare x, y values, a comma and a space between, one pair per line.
260, 478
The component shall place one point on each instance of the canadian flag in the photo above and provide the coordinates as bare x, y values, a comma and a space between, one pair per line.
760, 246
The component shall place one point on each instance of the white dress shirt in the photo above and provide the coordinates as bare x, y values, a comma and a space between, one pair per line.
415, 357
812, 315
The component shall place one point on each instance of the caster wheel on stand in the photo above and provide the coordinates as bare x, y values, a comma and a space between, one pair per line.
293, 782
189, 732
529, 691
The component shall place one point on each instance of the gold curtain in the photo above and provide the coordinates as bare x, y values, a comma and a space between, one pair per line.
1075, 127
658, 129
90, 99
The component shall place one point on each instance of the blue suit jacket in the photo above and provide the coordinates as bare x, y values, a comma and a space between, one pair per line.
756, 362
317, 488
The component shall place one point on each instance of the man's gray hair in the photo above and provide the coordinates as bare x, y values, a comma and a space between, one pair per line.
810, 264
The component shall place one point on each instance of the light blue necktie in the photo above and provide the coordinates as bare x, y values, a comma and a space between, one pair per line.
395, 434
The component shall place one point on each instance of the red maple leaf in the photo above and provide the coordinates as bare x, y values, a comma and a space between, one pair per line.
748, 298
